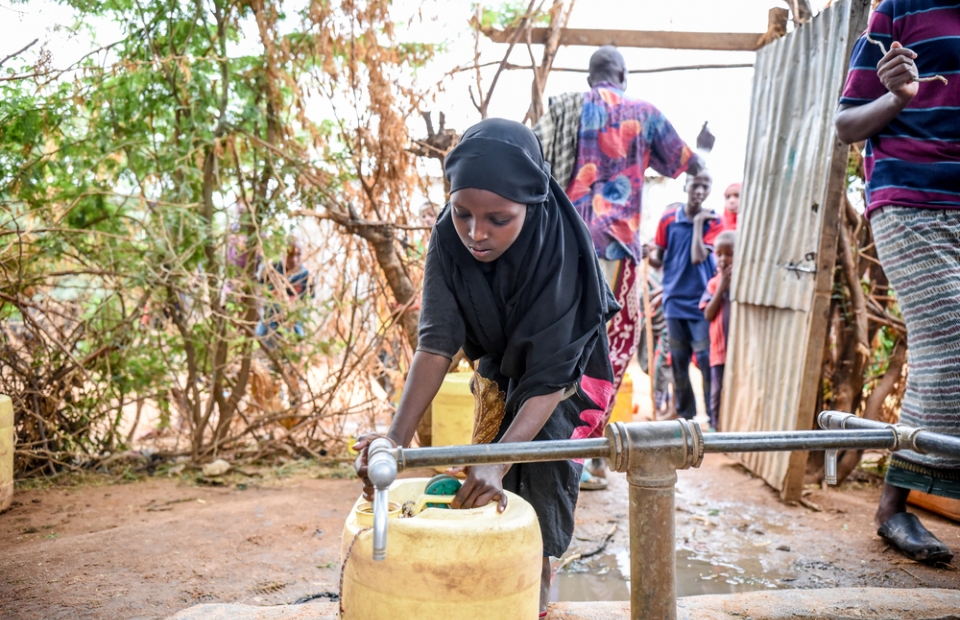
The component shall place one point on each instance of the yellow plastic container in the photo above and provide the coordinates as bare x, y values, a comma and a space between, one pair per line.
623, 409
442, 563
6, 452
453, 411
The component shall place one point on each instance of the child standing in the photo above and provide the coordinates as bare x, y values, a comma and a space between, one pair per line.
731, 205
511, 277
715, 304
682, 246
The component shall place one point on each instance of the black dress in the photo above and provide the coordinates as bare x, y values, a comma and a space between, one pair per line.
534, 320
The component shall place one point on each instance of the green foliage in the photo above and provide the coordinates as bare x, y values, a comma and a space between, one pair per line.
141, 189
506, 15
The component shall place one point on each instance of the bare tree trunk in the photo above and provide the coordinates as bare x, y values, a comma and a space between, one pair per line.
559, 16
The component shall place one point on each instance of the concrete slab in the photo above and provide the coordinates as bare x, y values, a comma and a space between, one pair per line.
828, 604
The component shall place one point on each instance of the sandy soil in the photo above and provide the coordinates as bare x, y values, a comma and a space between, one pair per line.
149, 548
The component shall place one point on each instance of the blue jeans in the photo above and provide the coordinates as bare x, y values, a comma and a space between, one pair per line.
688, 337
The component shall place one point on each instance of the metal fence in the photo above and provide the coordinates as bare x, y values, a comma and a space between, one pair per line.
787, 239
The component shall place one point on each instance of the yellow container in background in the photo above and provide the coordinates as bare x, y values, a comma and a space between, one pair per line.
441, 563
453, 411
623, 402
6, 452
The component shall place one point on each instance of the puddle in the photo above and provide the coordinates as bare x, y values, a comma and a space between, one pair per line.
606, 577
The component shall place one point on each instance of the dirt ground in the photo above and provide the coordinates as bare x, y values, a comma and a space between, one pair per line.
149, 548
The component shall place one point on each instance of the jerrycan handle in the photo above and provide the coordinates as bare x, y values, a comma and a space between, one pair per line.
424, 499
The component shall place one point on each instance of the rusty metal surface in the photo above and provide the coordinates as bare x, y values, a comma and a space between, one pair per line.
786, 249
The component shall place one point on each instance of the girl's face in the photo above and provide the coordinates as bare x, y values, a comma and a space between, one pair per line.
487, 223
731, 201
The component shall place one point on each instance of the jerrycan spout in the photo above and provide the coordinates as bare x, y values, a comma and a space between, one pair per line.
382, 471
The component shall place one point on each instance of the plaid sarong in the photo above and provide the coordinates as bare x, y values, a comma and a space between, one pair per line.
557, 130
920, 253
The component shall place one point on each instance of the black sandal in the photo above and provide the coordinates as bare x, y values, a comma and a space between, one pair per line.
905, 532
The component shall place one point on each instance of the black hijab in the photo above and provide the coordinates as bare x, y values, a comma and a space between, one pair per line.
542, 312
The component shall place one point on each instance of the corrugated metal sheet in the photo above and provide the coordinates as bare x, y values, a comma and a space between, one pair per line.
793, 184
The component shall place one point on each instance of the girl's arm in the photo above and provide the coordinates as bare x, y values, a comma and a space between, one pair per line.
423, 382
485, 482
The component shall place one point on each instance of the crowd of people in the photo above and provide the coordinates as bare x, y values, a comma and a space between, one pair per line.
599, 145
535, 267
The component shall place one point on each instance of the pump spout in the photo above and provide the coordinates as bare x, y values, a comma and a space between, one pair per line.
382, 471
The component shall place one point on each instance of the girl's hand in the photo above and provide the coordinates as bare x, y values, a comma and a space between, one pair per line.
898, 72
362, 446
484, 484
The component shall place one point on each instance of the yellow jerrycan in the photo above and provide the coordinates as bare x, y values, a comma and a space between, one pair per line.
442, 563
6, 452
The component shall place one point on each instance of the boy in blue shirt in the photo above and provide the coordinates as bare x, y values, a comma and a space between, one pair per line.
683, 247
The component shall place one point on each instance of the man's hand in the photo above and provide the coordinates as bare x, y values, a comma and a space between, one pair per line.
705, 139
703, 216
484, 484
898, 72
645, 251
362, 445
725, 277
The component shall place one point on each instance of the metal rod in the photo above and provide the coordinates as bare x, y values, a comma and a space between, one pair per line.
925, 441
799, 440
481, 454
653, 570
935, 443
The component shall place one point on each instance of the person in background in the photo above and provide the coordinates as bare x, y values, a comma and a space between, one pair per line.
682, 246
293, 280
912, 165
664, 408
599, 144
715, 304
731, 205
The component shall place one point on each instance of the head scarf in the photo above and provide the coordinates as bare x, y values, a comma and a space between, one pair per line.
542, 312
732, 186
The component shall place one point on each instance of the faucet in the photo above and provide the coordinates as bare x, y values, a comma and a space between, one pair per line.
382, 471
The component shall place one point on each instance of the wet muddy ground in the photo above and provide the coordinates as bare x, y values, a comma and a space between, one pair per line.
151, 548
735, 535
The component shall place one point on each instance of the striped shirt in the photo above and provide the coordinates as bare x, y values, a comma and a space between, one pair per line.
915, 160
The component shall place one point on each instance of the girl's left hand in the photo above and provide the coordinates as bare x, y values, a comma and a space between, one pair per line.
484, 484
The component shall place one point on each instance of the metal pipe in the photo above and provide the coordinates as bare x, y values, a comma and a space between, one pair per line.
381, 512
799, 440
382, 471
830, 467
935, 443
483, 454
653, 571
651, 453
908, 437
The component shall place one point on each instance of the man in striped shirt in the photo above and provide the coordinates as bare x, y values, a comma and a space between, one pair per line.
910, 119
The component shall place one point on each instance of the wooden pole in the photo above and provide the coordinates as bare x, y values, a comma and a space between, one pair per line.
727, 41
648, 326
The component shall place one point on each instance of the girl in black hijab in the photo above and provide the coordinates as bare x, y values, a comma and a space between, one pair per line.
512, 278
